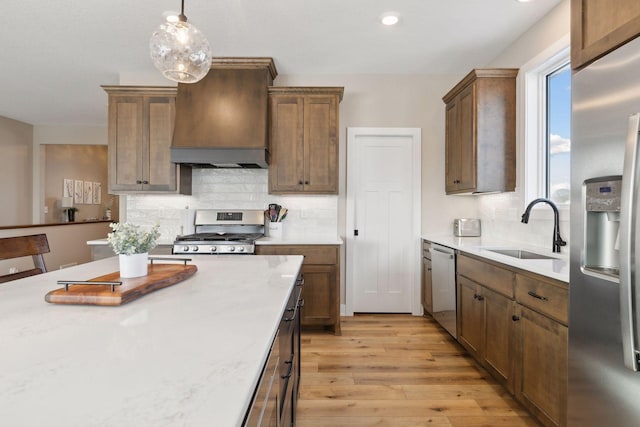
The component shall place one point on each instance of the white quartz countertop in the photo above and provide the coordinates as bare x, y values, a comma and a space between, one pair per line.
556, 268
187, 355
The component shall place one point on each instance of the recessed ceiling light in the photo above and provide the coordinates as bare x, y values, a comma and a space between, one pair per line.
389, 18
524, 1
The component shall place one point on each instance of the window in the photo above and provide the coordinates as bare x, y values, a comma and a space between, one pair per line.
558, 135
545, 117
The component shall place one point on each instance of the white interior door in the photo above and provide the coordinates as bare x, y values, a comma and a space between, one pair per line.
383, 220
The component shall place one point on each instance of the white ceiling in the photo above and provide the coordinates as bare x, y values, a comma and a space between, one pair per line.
57, 53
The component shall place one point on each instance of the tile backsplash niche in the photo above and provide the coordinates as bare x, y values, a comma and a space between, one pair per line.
308, 215
501, 213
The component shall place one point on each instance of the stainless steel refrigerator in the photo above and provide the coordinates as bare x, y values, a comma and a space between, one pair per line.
604, 296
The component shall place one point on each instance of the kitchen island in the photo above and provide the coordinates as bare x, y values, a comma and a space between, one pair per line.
187, 355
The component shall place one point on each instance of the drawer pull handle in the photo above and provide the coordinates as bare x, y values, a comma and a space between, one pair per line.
480, 298
541, 298
515, 318
290, 371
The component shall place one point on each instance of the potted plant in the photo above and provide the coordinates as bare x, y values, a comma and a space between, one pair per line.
71, 213
132, 245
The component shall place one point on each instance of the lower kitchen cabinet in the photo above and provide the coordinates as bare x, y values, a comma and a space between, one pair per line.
470, 317
542, 341
275, 399
321, 272
427, 288
485, 322
264, 409
542, 369
514, 324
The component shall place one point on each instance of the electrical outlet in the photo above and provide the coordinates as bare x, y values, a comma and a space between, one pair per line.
13, 270
46, 209
303, 213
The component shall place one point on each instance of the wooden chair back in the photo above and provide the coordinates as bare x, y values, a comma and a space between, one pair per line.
21, 246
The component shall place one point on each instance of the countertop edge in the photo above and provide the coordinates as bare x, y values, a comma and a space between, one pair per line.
557, 268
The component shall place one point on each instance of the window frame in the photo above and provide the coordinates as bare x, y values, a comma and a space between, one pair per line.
533, 119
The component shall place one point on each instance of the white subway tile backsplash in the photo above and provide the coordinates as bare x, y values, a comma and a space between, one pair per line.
234, 189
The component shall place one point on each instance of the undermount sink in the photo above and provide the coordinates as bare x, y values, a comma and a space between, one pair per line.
520, 253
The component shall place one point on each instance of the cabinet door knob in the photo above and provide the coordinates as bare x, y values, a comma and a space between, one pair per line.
145, 182
299, 182
306, 183
480, 298
138, 181
515, 318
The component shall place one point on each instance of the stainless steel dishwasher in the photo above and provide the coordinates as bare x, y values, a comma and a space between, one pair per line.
443, 275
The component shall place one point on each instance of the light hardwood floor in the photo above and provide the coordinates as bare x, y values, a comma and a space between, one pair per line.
401, 371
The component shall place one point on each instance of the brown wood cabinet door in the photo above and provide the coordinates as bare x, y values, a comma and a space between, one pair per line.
158, 171
467, 139
320, 295
125, 150
452, 147
286, 169
498, 345
320, 144
597, 27
541, 376
427, 297
470, 317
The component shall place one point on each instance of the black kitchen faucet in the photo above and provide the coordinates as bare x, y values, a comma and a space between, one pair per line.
557, 240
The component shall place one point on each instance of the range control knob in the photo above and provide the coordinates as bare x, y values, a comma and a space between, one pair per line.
232, 248
213, 249
241, 249
185, 248
194, 249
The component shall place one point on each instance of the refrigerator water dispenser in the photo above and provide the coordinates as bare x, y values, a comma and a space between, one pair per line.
602, 226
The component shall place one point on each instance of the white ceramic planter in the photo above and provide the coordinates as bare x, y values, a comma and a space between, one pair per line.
135, 265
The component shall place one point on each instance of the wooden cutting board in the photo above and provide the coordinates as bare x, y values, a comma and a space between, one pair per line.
159, 276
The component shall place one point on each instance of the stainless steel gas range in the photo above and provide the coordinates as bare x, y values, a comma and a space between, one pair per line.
222, 232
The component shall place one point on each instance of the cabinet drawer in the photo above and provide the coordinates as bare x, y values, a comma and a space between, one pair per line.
313, 254
488, 275
548, 298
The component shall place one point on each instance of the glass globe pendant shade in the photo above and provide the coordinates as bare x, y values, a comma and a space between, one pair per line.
180, 51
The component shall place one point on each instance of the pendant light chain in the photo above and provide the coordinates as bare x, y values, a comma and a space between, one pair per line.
182, 17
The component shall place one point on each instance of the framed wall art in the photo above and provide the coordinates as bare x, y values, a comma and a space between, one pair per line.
97, 193
67, 190
88, 192
78, 192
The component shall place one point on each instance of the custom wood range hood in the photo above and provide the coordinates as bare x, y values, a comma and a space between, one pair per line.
222, 120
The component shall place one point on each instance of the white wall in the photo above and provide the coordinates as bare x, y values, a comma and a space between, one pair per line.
500, 213
15, 171
374, 100
43, 135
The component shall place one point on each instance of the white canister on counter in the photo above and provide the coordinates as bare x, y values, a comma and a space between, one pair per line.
274, 229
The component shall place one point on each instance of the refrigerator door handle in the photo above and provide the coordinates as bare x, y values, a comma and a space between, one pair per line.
628, 254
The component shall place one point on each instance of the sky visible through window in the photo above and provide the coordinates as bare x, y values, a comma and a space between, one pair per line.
559, 135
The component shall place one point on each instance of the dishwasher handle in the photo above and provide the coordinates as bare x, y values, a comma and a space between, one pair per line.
442, 252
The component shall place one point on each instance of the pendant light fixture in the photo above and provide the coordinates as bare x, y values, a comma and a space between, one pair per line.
179, 50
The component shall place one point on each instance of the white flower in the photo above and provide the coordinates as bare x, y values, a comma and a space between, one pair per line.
128, 239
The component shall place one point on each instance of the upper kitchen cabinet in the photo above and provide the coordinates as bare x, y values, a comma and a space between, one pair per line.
481, 132
304, 139
598, 27
140, 133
